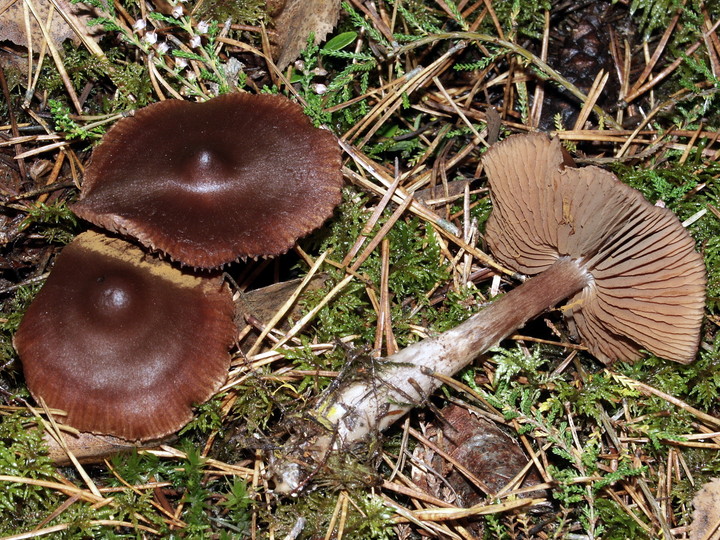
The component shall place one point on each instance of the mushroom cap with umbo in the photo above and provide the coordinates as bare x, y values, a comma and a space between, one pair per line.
208, 183
124, 342
646, 285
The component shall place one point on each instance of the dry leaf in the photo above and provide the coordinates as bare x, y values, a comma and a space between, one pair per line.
480, 446
262, 304
299, 19
12, 22
706, 518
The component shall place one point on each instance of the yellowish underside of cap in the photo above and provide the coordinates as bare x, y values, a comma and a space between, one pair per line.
124, 251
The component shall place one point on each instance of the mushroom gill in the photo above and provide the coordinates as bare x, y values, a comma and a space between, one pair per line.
645, 282
629, 269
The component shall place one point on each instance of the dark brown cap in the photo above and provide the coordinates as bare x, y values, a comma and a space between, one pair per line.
648, 283
207, 183
124, 342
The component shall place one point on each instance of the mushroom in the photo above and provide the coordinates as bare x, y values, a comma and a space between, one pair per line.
208, 183
629, 269
124, 343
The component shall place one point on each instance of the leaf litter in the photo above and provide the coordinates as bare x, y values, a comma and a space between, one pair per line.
621, 452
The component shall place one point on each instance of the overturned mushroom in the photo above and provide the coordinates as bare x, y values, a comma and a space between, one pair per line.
629, 269
207, 183
124, 343
642, 283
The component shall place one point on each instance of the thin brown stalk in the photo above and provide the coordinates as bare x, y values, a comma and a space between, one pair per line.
494, 17
446, 514
13, 123
382, 233
536, 110
415, 494
594, 94
650, 65
712, 43
90, 44
691, 144
56, 57
451, 102
662, 75
393, 100
287, 305
649, 390
455, 463
518, 50
445, 227
406, 378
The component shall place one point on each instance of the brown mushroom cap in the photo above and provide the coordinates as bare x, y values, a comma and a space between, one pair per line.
648, 283
207, 183
123, 342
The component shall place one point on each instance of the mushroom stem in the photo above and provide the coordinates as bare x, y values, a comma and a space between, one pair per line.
405, 379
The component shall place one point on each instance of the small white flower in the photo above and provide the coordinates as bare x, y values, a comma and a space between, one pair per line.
150, 37
203, 27
319, 72
177, 11
319, 88
163, 48
195, 42
191, 76
180, 63
140, 24
300, 65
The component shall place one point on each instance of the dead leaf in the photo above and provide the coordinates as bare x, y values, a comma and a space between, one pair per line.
480, 446
12, 22
455, 188
299, 19
261, 305
706, 518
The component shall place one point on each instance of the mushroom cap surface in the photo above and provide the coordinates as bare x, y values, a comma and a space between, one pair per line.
123, 342
648, 283
208, 183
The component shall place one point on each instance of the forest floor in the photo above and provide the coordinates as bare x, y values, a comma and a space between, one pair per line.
416, 91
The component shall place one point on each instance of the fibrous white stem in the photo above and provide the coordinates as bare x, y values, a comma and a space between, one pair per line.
406, 378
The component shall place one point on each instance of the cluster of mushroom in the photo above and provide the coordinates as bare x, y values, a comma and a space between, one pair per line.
121, 339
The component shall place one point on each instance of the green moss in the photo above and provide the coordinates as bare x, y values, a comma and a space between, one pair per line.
11, 312
130, 80
655, 15
617, 524
414, 271
236, 504
526, 17
347, 76
367, 516
525, 386
54, 222
697, 383
23, 454
207, 418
